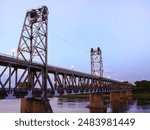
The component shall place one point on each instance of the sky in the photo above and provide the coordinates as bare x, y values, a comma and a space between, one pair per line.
121, 28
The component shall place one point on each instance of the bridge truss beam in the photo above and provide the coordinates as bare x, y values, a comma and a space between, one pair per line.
14, 81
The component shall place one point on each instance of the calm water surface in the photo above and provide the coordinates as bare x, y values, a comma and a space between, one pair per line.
60, 105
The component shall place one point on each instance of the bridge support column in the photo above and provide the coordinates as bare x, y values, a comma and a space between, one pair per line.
123, 95
35, 106
115, 101
129, 93
96, 103
114, 96
120, 104
126, 95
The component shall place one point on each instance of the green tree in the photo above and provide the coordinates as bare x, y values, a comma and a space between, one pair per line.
142, 86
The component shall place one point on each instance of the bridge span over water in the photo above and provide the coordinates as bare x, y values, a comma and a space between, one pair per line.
23, 77
14, 80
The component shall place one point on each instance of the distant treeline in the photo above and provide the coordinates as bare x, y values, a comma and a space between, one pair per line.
142, 86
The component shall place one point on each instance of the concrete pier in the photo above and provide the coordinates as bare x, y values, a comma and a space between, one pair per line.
35, 106
97, 104
123, 95
114, 96
129, 93
120, 100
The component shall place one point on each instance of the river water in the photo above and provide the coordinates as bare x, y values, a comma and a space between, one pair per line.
66, 105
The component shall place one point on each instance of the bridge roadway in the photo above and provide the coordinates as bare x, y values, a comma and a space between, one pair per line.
15, 82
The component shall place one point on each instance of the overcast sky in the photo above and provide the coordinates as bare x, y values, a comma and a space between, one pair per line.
121, 28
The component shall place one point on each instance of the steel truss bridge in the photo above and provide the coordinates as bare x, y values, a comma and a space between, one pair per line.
22, 77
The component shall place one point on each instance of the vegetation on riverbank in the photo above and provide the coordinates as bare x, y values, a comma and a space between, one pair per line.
142, 86
142, 90
141, 96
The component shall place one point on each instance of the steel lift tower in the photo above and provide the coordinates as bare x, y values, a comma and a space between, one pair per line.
33, 45
96, 62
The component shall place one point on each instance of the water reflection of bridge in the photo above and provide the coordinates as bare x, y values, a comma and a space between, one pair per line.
22, 77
